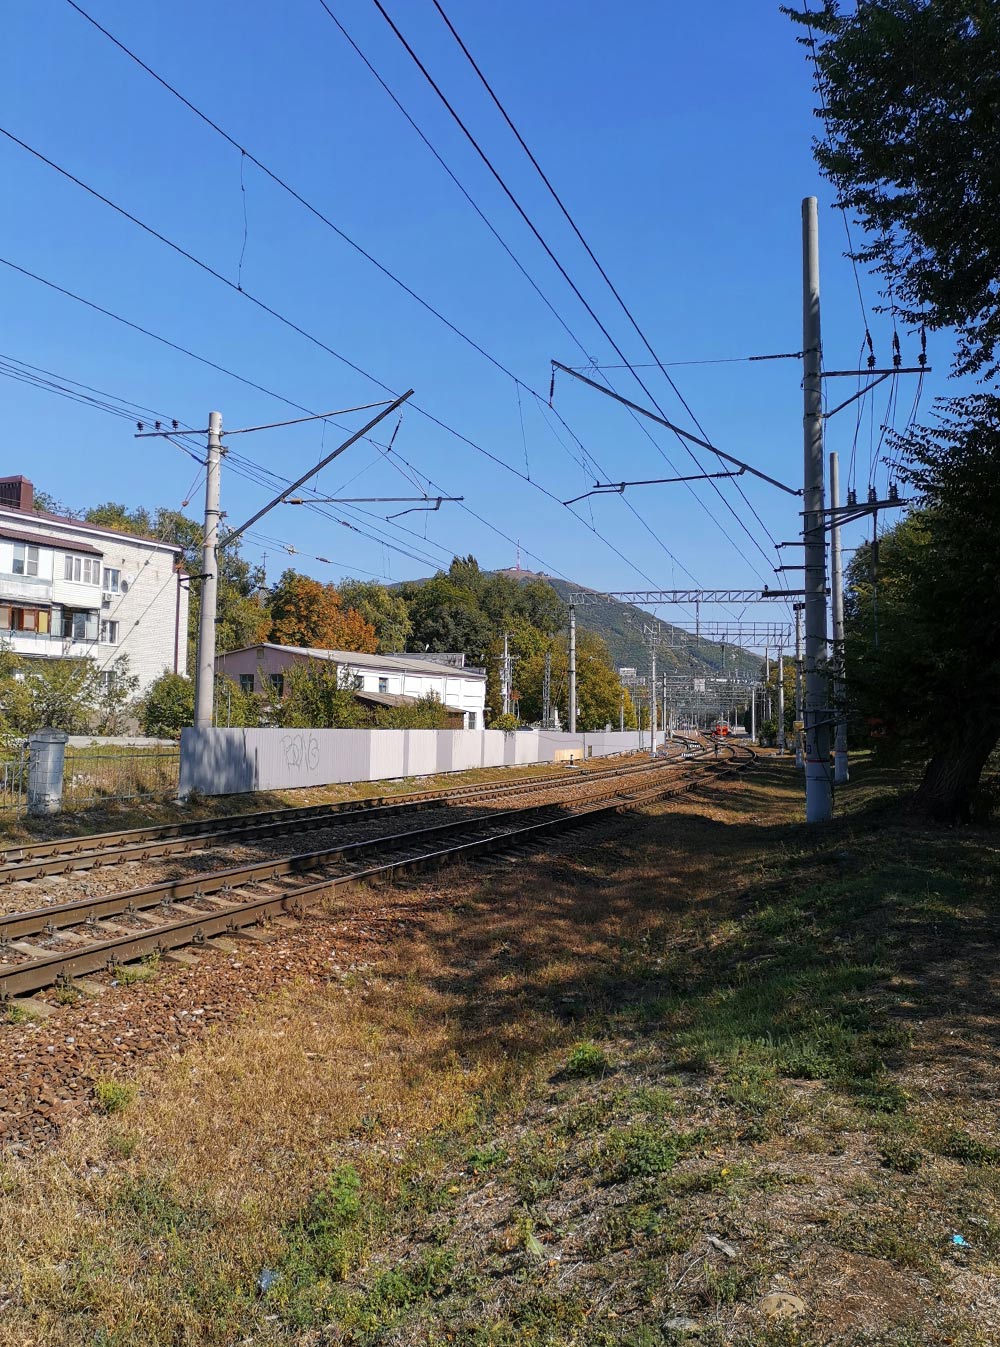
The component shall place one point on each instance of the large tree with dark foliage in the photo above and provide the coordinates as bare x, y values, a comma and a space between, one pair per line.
923, 632
912, 95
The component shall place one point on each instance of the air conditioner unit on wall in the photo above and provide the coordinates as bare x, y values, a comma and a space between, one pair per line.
106, 598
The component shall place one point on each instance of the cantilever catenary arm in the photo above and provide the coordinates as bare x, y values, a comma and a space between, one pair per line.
684, 434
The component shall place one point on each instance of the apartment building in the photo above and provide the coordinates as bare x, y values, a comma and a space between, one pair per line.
71, 589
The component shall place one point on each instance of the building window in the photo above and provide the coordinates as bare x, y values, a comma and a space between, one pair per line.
109, 633
24, 619
78, 624
25, 559
246, 682
383, 685
112, 579
108, 679
358, 683
82, 570
472, 720
277, 682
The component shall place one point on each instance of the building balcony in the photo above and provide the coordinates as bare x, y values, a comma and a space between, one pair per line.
43, 645
24, 588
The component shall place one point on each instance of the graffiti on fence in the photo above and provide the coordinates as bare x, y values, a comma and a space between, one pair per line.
301, 751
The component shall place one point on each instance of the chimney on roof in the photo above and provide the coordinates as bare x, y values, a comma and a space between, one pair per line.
17, 493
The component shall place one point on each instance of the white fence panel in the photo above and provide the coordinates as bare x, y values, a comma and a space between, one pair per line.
230, 762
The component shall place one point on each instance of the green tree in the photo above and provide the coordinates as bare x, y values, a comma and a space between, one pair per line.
599, 690
424, 713
62, 693
168, 706
115, 515
318, 695
381, 608
236, 709
446, 616
923, 634
912, 92
242, 618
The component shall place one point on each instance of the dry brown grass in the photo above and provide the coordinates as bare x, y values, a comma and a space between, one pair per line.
511, 1190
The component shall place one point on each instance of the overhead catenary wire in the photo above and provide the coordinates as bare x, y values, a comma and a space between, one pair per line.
281, 182
301, 331
604, 275
239, 378
570, 282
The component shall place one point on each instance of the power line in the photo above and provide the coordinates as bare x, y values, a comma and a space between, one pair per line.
590, 253
232, 374
563, 272
297, 196
301, 331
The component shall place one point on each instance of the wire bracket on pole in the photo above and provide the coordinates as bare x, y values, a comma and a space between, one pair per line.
670, 425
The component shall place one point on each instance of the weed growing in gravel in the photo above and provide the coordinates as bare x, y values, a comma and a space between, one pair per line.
113, 1095
15, 1014
128, 974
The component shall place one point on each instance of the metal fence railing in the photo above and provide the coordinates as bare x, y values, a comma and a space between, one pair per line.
13, 776
99, 775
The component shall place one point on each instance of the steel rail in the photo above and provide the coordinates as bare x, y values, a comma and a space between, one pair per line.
57, 856
43, 967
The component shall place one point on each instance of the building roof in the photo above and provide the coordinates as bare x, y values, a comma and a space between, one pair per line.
46, 540
397, 663
100, 529
398, 699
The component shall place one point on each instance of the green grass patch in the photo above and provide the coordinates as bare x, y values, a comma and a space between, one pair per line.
112, 1096
587, 1060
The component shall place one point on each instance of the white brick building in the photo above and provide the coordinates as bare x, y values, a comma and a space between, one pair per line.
69, 589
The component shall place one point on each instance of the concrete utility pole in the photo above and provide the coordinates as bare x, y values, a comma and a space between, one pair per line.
819, 786
798, 683
547, 692
505, 676
204, 677
621, 713
781, 700
663, 717
841, 774
572, 668
652, 695
753, 713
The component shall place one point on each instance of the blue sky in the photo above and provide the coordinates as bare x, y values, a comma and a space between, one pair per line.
681, 144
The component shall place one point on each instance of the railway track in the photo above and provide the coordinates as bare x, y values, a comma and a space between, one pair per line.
62, 855
57, 943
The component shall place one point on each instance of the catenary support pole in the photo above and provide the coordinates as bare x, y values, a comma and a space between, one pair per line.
572, 668
798, 685
652, 696
505, 675
204, 688
781, 700
663, 715
753, 713
841, 774
819, 784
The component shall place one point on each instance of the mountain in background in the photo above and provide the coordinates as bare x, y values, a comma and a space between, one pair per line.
620, 626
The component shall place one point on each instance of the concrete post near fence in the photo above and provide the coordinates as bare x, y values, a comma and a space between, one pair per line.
46, 762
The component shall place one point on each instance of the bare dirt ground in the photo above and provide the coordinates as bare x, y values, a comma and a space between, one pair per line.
696, 1075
